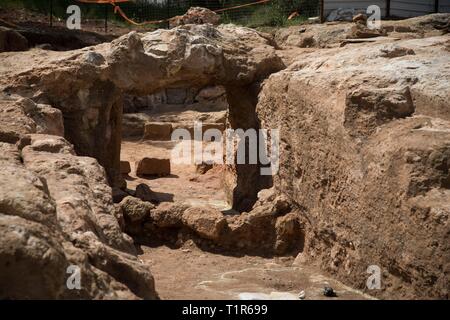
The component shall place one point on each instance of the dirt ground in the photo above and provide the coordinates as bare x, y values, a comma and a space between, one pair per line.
189, 273
183, 184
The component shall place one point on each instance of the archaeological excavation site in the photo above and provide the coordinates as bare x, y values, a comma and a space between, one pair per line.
204, 158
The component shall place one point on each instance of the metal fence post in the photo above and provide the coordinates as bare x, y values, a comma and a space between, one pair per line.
168, 14
388, 8
436, 6
51, 13
321, 10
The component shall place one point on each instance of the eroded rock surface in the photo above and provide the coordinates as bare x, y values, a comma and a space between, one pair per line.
195, 15
87, 85
365, 146
56, 204
272, 227
364, 172
56, 212
332, 34
11, 40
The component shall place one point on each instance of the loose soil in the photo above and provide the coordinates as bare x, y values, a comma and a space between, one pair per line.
183, 184
190, 273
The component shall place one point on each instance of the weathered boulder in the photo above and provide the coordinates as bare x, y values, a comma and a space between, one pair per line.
167, 215
147, 222
85, 200
195, 15
207, 222
153, 166
38, 226
135, 209
50, 198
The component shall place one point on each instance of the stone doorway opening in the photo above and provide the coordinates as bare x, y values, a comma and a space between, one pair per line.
147, 160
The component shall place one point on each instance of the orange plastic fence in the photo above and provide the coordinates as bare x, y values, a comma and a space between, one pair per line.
103, 1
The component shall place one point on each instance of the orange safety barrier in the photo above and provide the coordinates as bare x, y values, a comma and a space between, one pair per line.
117, 9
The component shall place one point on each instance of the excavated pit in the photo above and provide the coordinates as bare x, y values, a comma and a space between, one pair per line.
363, 175
226, 222
87, 86
148, 123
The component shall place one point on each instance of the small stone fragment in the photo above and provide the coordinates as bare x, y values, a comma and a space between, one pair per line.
153, 166
302, 295
329, 292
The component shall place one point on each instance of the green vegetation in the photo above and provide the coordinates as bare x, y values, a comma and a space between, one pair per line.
272, 15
